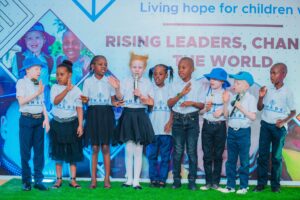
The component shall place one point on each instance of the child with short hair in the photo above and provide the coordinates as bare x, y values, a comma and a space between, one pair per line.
278, 108
66, 125
241, 112
185, 101
29, 92
161, 119
214, 128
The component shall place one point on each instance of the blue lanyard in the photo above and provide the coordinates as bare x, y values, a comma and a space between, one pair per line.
210, 92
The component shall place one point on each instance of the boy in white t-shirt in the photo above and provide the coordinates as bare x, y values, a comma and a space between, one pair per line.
29, 92
241, 113
278, 108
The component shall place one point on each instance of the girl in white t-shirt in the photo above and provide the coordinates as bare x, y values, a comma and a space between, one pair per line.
66, 125
161, 119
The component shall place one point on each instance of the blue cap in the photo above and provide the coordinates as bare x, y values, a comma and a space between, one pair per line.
218, 74
242, 75
31, 61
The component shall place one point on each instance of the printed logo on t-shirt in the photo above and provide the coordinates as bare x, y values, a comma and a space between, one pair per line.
271, 106
238, 115
214, 107
160, 106
36, 102
65, 106
180, 101
132, 101
99, 100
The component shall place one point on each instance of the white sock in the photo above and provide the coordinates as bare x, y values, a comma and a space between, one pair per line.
138, 156
129, 150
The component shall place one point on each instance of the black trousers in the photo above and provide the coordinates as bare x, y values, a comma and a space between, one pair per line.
32, 137
213, 144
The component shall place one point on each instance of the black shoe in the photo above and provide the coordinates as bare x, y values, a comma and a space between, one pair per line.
26, 187
153, 184
276, 190
124, 185
40, 186
259, 188
161, 185
176, 185
138, 187
192, 186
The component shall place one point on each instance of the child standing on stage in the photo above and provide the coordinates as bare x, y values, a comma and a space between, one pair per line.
214, 128
241, 113
98, 91
161, 119
66, 125
36, 43
278, 108
32, 121
186, 102
134, 128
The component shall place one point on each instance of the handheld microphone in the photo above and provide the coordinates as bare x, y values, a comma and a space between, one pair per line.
135, 85
237, 99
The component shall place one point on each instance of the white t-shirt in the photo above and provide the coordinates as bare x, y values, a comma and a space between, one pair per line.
160, 114
238, 119
216, 97
277, 104
25, 88
127, 88
99, 92
67, 107
196, 94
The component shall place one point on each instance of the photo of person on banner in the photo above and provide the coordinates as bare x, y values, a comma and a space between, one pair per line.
72, 50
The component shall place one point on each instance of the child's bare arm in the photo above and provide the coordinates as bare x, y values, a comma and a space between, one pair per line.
24, 100
250, 115
198, 105
147, 100
174, 100
115, 83
262, 93
62, 95
225, 110
46, 124
225, 98
80, 120
168, 125
280, 123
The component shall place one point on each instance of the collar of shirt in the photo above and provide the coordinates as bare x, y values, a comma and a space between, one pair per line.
158, 88
212, 92
28, 81
181, 82
277, 90
103, 79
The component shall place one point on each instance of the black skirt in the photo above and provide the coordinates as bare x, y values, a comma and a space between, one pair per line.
136, 126
64, 144
100, 125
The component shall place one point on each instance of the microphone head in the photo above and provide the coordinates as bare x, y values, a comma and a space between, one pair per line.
232, 103
136, 76
237, 98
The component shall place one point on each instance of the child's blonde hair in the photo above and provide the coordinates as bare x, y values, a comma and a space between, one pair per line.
143, 58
